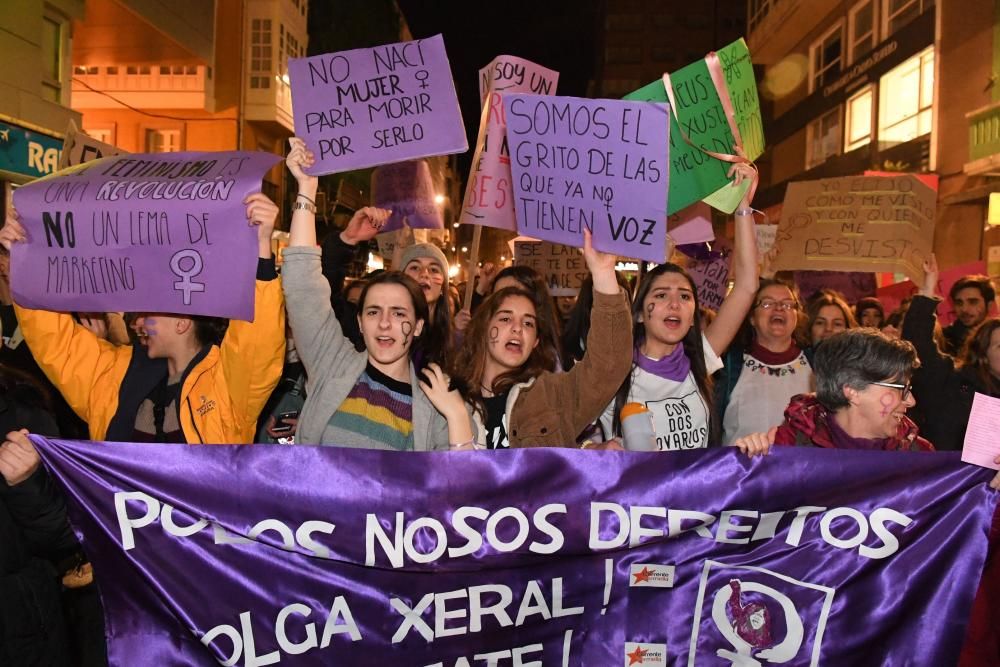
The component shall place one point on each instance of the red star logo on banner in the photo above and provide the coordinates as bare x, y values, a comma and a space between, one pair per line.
642, 575
635, 658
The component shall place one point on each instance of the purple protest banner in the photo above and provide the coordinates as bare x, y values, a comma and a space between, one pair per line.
406, 188
366, 107
600, 164
157, 232
251, 555
489, 194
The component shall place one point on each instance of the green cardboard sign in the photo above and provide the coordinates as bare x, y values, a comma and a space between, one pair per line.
693, 174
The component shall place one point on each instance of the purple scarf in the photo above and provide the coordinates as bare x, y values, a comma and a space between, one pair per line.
674, 366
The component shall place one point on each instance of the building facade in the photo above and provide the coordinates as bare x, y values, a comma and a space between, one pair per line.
856, 85
36, 39
190, 75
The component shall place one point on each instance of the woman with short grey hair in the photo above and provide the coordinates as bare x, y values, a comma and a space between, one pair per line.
862, 395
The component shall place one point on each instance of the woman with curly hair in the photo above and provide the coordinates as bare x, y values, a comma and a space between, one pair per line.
504, 369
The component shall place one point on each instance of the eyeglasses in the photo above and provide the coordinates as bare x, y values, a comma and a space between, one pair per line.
906, 388
768, 304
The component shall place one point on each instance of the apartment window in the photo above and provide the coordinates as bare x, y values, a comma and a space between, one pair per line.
897, 13
826, 57
53, 34
823, 138
861, 29
858, 114
906, 94
163, 141
131, 69
112, 71
164, 70
261, 68
144, 69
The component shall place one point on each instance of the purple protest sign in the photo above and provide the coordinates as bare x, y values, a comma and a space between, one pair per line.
600, 164
158, 232
802, 557
367, 107
489, 194
691, 225
407, 190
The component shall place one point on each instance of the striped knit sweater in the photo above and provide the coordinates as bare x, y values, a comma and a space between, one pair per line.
377, 413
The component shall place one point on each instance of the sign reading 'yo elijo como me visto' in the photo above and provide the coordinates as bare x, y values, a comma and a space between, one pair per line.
367, 107
594, 164
164, 232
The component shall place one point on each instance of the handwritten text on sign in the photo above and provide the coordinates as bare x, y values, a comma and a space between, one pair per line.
562, 267
693, 173
367, 107
489, 196
857, 223
597, 164
160, 232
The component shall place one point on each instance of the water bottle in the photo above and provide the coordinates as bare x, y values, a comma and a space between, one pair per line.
638, 434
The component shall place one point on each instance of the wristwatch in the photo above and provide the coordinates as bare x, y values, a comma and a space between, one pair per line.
304, 205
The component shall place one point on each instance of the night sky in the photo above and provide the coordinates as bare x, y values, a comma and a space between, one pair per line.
559, 35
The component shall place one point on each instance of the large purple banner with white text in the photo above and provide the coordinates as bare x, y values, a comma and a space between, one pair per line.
156, 232
255, 555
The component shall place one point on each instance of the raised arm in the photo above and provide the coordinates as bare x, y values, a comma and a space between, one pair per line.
307, 293
253, 353
918, 325
590, 385
734, 308
71, 356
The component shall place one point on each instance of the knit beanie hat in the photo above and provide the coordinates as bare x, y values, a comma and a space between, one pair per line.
429, 250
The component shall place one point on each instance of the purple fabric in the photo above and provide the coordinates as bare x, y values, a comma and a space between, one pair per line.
600, 164
801, 586
367, 107
674, 366
158, 232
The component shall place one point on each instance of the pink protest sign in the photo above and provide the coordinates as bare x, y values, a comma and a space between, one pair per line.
489, 196
510, 74
981, 446
691, 225
599, 164
159, 232
366, 107
406, 188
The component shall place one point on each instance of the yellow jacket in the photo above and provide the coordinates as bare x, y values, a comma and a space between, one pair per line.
220, 399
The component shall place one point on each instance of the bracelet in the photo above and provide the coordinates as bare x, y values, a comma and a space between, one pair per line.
468, 444
304, 206
311, 201
744, 213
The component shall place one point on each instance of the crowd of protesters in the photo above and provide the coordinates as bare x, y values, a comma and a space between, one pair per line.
392, 361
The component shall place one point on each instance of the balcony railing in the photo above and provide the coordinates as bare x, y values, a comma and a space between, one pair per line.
984, 132
142, 86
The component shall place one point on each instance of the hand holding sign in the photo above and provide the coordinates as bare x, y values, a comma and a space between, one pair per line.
12, 231
262, 213
601, 265
18, 458
299, 159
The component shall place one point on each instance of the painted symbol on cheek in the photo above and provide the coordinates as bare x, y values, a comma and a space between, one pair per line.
650, 307
494, 335
149, 327
407, 328
888, 403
